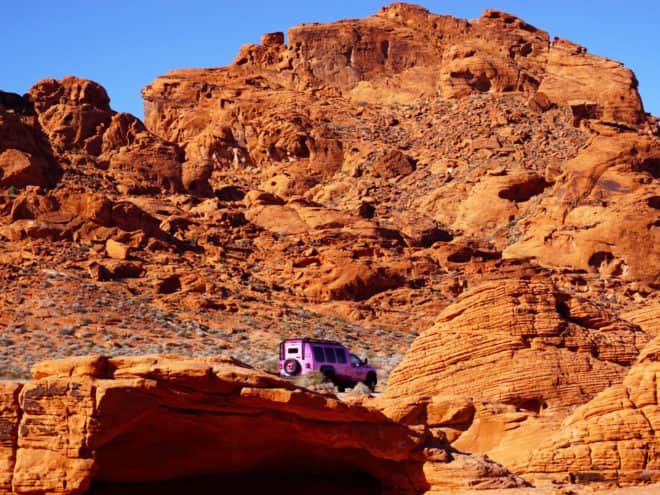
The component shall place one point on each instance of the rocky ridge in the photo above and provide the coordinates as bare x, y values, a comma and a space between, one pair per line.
475, 182
343, 212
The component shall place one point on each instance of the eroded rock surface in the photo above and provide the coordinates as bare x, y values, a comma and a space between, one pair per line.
98, 423
587, 221
612, 438
478, 181
506, 363
26, 157
559, 350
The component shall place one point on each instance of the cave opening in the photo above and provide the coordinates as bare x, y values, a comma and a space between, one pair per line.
654, 202
175, 451
534, 405
599, 259
254, 483
524, 191
650, 165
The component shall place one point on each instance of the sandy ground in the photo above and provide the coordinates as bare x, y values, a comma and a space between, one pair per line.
563, 490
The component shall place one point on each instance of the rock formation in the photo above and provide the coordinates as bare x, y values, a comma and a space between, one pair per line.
505, 363
94, 425
560, 349
25, 154
479, 182
587, 224
612, 437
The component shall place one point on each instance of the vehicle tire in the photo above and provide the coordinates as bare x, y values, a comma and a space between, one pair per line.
371, 381
330, 375
292, 367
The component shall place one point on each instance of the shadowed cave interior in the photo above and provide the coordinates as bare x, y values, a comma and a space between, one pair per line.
175, 452
349, 483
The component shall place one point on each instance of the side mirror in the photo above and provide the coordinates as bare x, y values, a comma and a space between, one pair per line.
365, 361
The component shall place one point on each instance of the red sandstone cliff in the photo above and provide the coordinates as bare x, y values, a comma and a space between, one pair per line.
89, 425
475, 181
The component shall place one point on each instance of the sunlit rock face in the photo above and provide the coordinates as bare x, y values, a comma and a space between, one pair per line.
143, 424
612, 438
474, 195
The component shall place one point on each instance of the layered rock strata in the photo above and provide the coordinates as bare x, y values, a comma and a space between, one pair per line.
99, 424
551, 350
506, 363
612, 438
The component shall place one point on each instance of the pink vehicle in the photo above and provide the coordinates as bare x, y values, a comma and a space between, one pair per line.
300, 356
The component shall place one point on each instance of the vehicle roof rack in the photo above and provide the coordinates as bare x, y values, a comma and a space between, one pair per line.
314, 341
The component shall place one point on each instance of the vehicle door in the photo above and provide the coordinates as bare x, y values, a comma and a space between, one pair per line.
319, 357
358, 373
344, 368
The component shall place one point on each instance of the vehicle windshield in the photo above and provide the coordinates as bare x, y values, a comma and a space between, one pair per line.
356, 361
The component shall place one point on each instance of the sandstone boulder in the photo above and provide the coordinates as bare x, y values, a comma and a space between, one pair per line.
124, 129
612, 438
70, 90
73, 112
393, 164
195, 177
146, 170
117, 250
20, 169
89, 423
508, 197
559, 350
129, 217
347, 279
592, 86
25, 154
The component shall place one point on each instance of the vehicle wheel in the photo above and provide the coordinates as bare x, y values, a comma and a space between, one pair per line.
371, 381
292, 367
330, 375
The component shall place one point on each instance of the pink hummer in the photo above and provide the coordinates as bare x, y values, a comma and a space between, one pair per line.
344, 369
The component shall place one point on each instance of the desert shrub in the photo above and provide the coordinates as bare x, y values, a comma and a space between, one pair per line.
66, 331
271, 364
310, 379
359, 390
14, 372
317, 382
324, 388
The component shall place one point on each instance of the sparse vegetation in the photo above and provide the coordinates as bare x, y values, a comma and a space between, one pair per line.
359, 390
9, 371
317, 382
310, 379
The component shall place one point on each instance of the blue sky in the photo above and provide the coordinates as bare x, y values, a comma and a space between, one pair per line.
124, 45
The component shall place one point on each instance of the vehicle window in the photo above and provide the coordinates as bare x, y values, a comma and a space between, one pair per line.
318, 354
330, 355
292, 350
341, 356
355, 361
